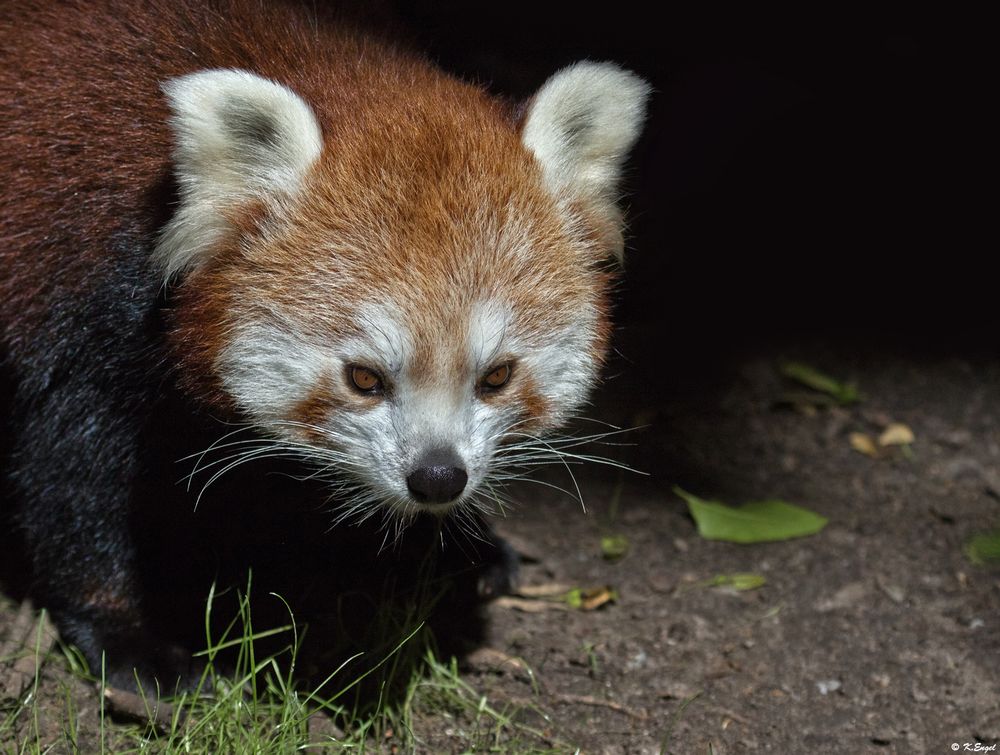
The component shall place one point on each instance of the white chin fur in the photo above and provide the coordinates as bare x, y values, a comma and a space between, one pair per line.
238, 137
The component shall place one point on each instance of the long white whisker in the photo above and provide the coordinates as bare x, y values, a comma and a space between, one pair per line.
504, 479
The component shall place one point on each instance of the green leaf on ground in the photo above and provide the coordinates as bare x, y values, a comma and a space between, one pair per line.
755, 522
740, 581
984, 549
613, 547
842, 393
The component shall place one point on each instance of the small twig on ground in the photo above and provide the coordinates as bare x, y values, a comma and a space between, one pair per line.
640, 715
726, 713
526, 605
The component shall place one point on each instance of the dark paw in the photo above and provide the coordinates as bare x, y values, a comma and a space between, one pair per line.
153, 669
133, 661
501, 575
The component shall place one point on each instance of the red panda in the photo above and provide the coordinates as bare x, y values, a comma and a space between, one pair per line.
263, 218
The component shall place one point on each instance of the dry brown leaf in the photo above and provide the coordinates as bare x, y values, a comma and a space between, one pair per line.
596, 597
864, 444
896, 434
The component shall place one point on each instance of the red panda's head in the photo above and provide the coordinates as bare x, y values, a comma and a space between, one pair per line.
402, 286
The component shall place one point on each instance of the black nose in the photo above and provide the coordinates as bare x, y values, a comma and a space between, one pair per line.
440, 478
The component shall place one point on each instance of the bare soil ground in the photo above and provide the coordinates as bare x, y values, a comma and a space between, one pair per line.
804, 150
876, 635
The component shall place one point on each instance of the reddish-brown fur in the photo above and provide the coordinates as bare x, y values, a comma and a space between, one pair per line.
424, 205
317, 406
406, 147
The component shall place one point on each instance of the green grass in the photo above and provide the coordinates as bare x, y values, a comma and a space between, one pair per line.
257, 706
479, 725
25, 707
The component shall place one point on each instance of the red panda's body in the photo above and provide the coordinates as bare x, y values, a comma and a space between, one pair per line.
273, 221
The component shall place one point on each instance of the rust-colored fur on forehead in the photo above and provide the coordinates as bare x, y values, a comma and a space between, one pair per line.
426, 198
423, 195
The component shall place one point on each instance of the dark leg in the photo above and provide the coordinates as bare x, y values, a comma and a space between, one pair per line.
74, 465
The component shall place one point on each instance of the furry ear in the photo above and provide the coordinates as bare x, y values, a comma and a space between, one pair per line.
580, 126
238, 137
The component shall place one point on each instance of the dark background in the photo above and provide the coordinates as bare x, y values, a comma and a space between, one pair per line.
802, 175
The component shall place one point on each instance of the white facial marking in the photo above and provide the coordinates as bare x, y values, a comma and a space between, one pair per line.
563, 369
268, 369
489, 332
383, 342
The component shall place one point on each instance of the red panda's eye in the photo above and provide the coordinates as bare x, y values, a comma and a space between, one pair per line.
365, 380
496, 378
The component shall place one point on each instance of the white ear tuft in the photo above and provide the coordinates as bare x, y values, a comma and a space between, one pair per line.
238, 137
580, 126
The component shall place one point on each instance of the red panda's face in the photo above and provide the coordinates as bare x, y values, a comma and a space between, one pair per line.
415, 418
409, 301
